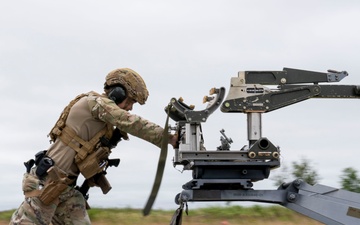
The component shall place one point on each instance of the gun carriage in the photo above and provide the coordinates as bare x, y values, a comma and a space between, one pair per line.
223, 174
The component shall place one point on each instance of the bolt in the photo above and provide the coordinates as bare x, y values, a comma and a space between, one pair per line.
252, 154
275, 155
297, 182
292, 197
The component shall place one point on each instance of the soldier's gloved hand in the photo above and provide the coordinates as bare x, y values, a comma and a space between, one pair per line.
173, 140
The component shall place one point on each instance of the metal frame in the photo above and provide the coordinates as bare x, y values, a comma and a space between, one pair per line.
227, 175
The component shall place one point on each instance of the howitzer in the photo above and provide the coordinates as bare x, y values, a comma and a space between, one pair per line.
220, 175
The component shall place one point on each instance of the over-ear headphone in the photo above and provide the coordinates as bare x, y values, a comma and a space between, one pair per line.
117, 94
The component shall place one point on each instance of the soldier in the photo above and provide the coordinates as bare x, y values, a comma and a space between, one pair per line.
82, 139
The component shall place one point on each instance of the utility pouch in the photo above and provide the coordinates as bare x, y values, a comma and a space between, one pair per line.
57, 181
51, 192
31, 162
103, 183
39, 156
95, 162
44, 164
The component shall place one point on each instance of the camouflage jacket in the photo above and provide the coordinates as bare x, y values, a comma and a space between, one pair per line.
90, 115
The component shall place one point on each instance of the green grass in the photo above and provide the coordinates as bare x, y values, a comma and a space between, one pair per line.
6, 215
211, 215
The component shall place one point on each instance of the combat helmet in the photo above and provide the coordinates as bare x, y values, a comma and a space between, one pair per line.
131, 81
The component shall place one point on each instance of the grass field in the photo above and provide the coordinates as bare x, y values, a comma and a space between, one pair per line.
231, 215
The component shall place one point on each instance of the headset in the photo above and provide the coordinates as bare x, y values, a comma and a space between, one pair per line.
117, 94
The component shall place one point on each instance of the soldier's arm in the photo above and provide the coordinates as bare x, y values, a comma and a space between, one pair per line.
107, 111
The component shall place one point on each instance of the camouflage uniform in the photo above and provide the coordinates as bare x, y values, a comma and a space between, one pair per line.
87, 116
69, 209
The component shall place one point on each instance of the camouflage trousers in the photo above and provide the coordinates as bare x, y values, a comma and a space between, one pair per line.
70, 209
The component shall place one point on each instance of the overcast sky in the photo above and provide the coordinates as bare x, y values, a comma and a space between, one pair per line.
52, 51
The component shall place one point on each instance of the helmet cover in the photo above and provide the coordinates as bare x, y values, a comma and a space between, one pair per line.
131, 81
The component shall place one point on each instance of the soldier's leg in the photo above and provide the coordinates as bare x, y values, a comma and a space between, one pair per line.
32, 211
71, 209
